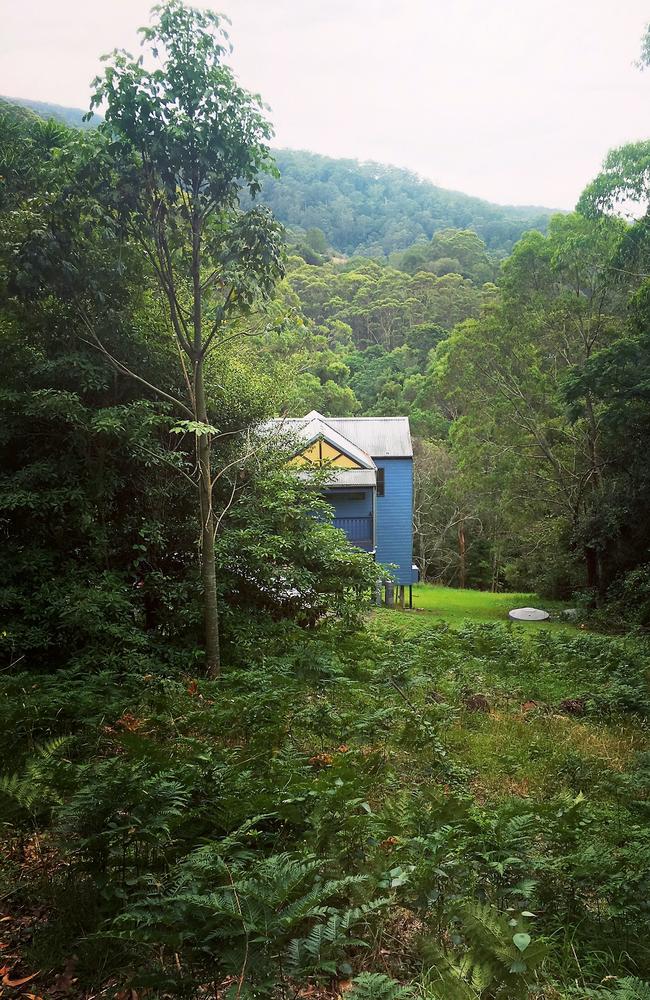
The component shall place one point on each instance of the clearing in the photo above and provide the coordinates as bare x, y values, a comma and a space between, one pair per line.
432, 603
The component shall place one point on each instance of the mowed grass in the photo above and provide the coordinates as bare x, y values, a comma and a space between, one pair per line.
475, 605
526, 744
433, 603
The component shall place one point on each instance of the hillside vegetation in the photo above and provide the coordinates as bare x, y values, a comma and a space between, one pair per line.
363, 208
335, 809
44, 109
372, 209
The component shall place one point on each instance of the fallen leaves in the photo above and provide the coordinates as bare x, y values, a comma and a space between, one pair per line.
320, 760
129, 722
65, 980
7, 981
476, 703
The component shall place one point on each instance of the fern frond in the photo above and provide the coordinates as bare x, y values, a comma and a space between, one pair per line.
377, 986
444, 979
631, 988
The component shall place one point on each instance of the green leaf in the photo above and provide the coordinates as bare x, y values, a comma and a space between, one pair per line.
521, 940
193, 427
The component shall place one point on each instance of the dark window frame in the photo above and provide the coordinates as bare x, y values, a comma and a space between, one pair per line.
381, 482
352, 496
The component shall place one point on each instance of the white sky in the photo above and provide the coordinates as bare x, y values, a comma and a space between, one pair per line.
517, 101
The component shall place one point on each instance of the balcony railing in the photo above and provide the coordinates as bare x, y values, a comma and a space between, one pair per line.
357, 529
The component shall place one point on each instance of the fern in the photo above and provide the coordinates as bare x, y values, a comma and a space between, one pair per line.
444, 980
376, 986
34, 786
231, 909
499, 956
325, 940
627, 988
632, 988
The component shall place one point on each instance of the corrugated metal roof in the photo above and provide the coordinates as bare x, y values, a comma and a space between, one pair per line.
353, 478
378, 437
381, 437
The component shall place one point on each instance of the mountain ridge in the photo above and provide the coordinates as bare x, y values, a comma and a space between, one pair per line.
363, 207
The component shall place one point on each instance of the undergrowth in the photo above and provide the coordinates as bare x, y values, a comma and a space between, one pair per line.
454, 813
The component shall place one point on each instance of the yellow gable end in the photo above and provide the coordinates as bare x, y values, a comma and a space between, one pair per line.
323, 453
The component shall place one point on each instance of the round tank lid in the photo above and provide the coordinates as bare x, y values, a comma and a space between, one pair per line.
528, 615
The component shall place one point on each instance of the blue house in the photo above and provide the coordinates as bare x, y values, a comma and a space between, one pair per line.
371, 483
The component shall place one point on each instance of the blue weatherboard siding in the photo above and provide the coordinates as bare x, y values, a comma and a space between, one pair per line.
394, 527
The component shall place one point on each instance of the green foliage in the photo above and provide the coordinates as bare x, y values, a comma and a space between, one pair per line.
98, 526
73, 117
331, 790
376, 986
366, 209
30, 790
373, 210
348, 797
526, 470
622, 184
499, 958
235, 913
627, 988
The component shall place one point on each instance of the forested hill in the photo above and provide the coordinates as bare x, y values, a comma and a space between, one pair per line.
371, 209
70, 116
365, 208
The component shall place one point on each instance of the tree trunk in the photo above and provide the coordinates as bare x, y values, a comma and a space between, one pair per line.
208, 563
495, 563
461, 553
591, 563
204, 456
424, 563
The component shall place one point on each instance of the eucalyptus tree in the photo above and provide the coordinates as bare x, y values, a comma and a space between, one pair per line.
181, 140
504, 376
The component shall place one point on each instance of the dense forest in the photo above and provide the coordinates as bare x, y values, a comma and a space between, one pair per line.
221, 773
373, 210
74, 117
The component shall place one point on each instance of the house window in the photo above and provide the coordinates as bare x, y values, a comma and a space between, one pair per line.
380, 482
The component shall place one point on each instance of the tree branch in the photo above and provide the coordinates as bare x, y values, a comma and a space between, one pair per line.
127, 371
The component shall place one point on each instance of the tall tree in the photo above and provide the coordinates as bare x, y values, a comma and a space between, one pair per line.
504, 375
181, 140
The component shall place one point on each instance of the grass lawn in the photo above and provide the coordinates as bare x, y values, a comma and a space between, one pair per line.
432, 603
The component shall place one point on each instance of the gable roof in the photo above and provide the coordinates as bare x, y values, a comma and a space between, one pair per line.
381, 437
362, 438
314, 426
